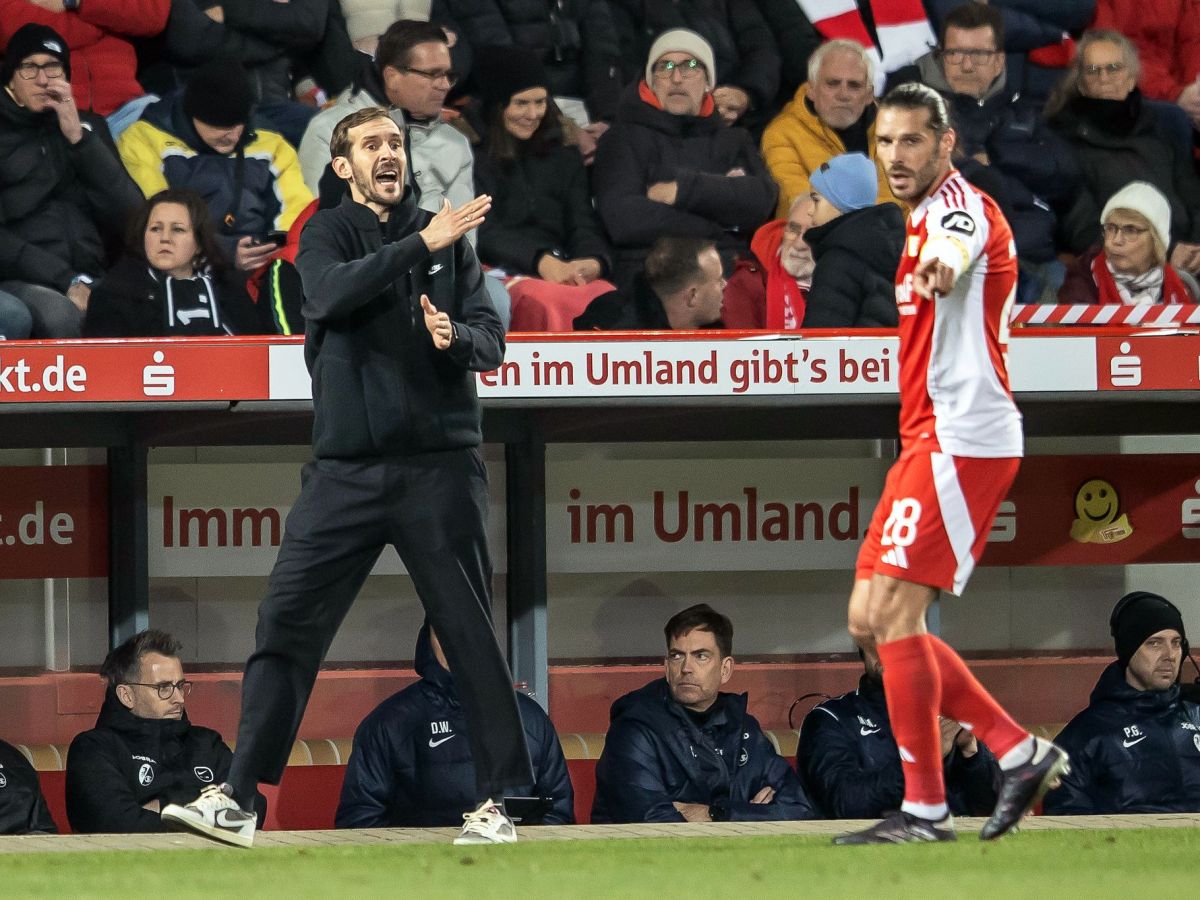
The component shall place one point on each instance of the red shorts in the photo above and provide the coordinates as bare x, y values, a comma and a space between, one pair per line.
933, 519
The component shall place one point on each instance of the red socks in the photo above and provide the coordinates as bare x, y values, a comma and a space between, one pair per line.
912, 684
965, 699
922, 677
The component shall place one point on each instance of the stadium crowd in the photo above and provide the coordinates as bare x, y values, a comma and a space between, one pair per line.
158, 158
677, 749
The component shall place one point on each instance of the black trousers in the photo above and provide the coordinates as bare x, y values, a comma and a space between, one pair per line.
432, 508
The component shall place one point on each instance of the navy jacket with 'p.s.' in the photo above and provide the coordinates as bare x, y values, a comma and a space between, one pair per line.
1131, 752
411, 765
655, 755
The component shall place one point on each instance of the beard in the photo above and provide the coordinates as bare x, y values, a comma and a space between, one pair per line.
365, 182
922, 179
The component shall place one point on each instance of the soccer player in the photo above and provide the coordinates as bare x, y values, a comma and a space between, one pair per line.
961, 444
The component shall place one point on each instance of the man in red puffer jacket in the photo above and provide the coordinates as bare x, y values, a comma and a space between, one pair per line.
98, 33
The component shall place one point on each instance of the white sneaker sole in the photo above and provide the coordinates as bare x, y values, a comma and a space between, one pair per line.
177, 818
470, 839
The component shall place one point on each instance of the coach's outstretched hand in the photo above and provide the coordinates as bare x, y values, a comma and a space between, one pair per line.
450, 224
438, 324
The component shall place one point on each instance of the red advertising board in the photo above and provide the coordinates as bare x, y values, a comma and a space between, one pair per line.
1148, 363
1100, 510
53, 522
66, 372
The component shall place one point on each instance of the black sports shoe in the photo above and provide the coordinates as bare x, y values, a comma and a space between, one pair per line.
1022, 787
902, 828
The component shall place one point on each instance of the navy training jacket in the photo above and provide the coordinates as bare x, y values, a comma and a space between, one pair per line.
1131, 752
656, 755
411, 765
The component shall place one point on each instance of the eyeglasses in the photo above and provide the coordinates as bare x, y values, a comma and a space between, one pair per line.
1112, 68
29, 71
687, 68
977, 57
166, 688
449, 74
1129, 232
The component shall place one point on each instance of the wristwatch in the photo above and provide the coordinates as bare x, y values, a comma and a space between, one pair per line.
718, 810
71, 5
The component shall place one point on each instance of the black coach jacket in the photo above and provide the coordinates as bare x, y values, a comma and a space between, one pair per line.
380, 387
126, 761
23, 809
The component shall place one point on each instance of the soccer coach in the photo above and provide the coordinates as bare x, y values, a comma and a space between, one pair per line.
396, 322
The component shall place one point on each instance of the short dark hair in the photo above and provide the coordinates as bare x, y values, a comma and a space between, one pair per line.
123, 664
674, 263
975, 15
913, 95
208, 248
703, 617
339, 142
396, 45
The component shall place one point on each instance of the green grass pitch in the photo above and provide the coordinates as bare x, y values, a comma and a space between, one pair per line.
1043, 865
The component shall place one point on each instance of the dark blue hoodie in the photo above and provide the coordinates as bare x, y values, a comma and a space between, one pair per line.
1131, 752
852, 767
412, 767
656, 755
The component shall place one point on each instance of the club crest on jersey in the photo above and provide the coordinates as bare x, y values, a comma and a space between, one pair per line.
958, 221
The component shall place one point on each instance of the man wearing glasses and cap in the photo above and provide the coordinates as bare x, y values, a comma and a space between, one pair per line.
143, 752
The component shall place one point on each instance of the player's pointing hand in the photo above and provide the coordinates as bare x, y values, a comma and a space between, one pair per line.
932, 276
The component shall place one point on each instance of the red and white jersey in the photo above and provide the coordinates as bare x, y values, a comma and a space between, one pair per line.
954, 392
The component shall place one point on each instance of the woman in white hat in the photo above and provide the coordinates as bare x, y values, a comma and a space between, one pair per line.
1130, 267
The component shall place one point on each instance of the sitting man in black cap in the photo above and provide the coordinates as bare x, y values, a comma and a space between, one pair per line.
143, 752
205, 139
62, 188
1136, 748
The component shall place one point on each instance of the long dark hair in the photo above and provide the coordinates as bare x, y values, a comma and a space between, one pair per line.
503, 148
208, 251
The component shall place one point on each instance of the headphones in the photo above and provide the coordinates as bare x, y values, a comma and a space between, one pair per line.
1129, 599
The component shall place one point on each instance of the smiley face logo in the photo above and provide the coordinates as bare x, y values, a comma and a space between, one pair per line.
1096, 502
1098, 517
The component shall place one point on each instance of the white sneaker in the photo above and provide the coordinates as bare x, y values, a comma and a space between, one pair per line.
214, 814
487, 825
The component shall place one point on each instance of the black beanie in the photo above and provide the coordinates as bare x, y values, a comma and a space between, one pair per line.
28, 40
1138, 615
219, 94
500, 72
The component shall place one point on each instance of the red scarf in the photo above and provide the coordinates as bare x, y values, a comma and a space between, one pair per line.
904, 31
782, 291
1173, 289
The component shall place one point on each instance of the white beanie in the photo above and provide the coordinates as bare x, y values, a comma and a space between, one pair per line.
682, 40
1147, 201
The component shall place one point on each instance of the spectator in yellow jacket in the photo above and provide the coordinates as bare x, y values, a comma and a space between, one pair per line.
833, 113
205, 139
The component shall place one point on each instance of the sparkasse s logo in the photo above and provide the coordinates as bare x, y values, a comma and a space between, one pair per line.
158, 380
